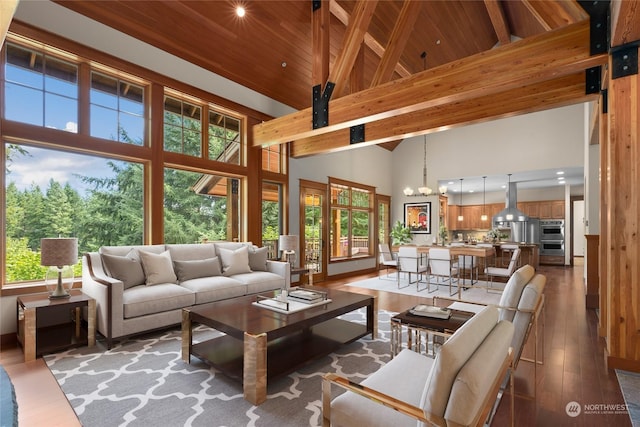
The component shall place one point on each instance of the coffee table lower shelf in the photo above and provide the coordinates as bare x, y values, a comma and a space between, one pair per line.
246, 361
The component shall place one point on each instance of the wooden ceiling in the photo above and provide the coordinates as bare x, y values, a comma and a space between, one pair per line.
271, 49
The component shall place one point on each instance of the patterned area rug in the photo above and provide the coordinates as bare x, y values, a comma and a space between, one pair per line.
143, 381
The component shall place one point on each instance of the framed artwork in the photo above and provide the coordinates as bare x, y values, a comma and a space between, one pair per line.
417, 216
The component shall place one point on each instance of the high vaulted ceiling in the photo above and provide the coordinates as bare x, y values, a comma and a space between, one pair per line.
403, 68
270, 49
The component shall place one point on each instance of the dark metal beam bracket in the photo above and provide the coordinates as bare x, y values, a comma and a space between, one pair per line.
356, 134
599, 12
624, 60
321, 105
592, 80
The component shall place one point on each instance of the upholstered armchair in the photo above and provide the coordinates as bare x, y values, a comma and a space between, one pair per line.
460, 387
521, 303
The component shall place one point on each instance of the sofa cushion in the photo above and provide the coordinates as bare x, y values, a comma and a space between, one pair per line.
260, 281
127, 269
403, 377
513, 290
191, 251
215, 288
454, 353
258, 258
158, 268
231, 246
186, 270
473, 382
142, 300
234, 261
124, 250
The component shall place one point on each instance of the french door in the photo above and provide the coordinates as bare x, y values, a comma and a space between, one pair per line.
313, 229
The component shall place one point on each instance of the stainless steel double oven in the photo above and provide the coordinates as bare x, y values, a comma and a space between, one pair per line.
552, 237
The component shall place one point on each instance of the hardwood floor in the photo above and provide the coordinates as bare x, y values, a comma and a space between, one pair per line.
573, 369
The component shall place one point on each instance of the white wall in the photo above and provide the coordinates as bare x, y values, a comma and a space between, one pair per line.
543, 140
366, 165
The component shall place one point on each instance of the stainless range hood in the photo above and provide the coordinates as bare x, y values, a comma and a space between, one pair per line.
511, 213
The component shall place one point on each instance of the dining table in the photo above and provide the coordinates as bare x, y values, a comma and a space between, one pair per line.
471, 250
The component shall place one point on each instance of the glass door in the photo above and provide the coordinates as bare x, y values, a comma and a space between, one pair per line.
312, 211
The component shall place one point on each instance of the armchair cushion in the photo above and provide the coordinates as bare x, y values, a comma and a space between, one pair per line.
158, 268
403, 379
513, 290
452, 357
476, 377
126, 268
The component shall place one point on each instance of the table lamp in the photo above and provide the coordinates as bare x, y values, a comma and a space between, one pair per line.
60, 255
288, 244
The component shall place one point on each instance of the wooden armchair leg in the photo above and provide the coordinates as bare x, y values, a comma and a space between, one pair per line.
326, 403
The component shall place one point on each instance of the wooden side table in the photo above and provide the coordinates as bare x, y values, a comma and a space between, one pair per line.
49, 325
302, 271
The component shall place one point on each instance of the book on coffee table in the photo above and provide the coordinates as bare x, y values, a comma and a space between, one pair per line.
431, 311
307, 296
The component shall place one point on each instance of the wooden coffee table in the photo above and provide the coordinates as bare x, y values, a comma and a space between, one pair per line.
261, 343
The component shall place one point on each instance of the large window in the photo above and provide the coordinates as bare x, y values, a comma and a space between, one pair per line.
225, 138
52, 193
271, 216
40, 89
351, 231
86, 186
182, 127
200, 207
117, 109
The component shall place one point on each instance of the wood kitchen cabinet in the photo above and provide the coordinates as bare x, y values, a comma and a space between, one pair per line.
551, 209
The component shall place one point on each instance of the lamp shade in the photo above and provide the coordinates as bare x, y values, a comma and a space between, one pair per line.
288, 242
58, 251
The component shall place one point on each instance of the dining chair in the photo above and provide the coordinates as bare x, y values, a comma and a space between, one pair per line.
411, 262
492, 272
444, 267
387, 260
467, 263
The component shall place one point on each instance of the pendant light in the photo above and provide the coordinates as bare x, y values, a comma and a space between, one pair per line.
484, 217
460, 217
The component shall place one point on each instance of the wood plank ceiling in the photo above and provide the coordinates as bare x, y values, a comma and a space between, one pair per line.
271, 50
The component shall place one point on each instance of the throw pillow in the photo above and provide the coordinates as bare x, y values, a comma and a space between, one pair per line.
126, 268
158, 268
258, 258
234, 261
186, 270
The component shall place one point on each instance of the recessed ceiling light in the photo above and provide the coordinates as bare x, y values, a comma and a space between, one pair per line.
561, 182
450, 182
240, 11
560, 173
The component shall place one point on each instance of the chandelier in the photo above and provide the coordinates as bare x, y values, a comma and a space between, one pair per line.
424, 190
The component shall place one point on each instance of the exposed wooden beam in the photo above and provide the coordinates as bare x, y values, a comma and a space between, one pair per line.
369, 41
397, 41
540, 96
357, 28
320, 25
625, 22
499, 21
532, 60
532, 9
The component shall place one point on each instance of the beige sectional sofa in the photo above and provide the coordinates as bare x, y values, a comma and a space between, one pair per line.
141, 288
